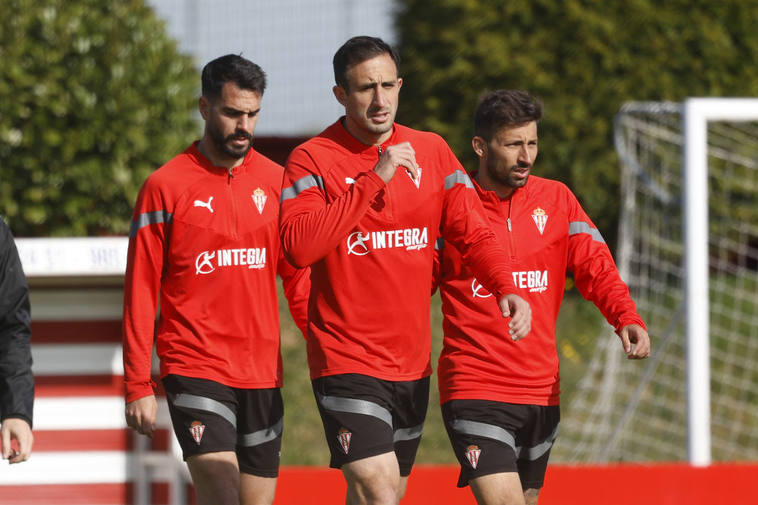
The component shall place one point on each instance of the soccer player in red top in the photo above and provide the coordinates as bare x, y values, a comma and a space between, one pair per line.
500, 397
363, 204
205, 242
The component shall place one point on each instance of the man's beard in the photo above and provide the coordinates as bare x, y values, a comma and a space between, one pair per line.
222, 143
507, 179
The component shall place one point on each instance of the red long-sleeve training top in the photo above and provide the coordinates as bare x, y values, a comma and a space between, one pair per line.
371, 246
546, 234
207, 240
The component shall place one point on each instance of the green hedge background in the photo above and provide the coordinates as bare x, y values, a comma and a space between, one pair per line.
93, 97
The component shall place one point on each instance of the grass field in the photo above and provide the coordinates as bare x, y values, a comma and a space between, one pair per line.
303, 443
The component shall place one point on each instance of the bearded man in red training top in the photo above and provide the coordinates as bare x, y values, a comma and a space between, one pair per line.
205, 242
500, 397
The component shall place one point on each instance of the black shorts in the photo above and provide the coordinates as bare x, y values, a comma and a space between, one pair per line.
492, 437
364, 416
211, 417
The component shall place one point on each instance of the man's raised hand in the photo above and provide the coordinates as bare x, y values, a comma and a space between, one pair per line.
399, 155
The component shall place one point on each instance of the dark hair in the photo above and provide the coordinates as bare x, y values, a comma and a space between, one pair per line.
357, 50
505, 107
232, 68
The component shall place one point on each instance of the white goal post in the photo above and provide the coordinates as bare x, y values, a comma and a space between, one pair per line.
697, 113
688, 249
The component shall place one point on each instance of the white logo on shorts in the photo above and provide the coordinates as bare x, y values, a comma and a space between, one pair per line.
472, 455
344, 437
197, 429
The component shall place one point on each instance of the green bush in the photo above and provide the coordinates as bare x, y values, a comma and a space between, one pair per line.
584, 58
93, 97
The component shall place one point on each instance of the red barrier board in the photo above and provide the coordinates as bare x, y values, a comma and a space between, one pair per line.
626, 484
659, 484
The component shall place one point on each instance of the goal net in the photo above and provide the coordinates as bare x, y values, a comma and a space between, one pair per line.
638, 411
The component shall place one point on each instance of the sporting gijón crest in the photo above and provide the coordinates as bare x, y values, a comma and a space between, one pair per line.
344, 436
197, 429
472, 455
540, 219
259, 199
417, 180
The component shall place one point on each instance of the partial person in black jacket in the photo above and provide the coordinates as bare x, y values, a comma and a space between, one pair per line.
16, 381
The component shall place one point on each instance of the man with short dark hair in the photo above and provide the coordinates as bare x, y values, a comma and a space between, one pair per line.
500, 397
16, 380
205, 242
363, 204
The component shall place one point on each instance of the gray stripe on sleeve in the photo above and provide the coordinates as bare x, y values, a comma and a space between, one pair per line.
148, 218
307, 182
458, 177
577, 227
207, 404
354, 406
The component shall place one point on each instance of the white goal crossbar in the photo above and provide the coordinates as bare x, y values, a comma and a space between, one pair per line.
697, 113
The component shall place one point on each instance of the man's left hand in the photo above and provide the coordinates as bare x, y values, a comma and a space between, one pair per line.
520, 312
635, 334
